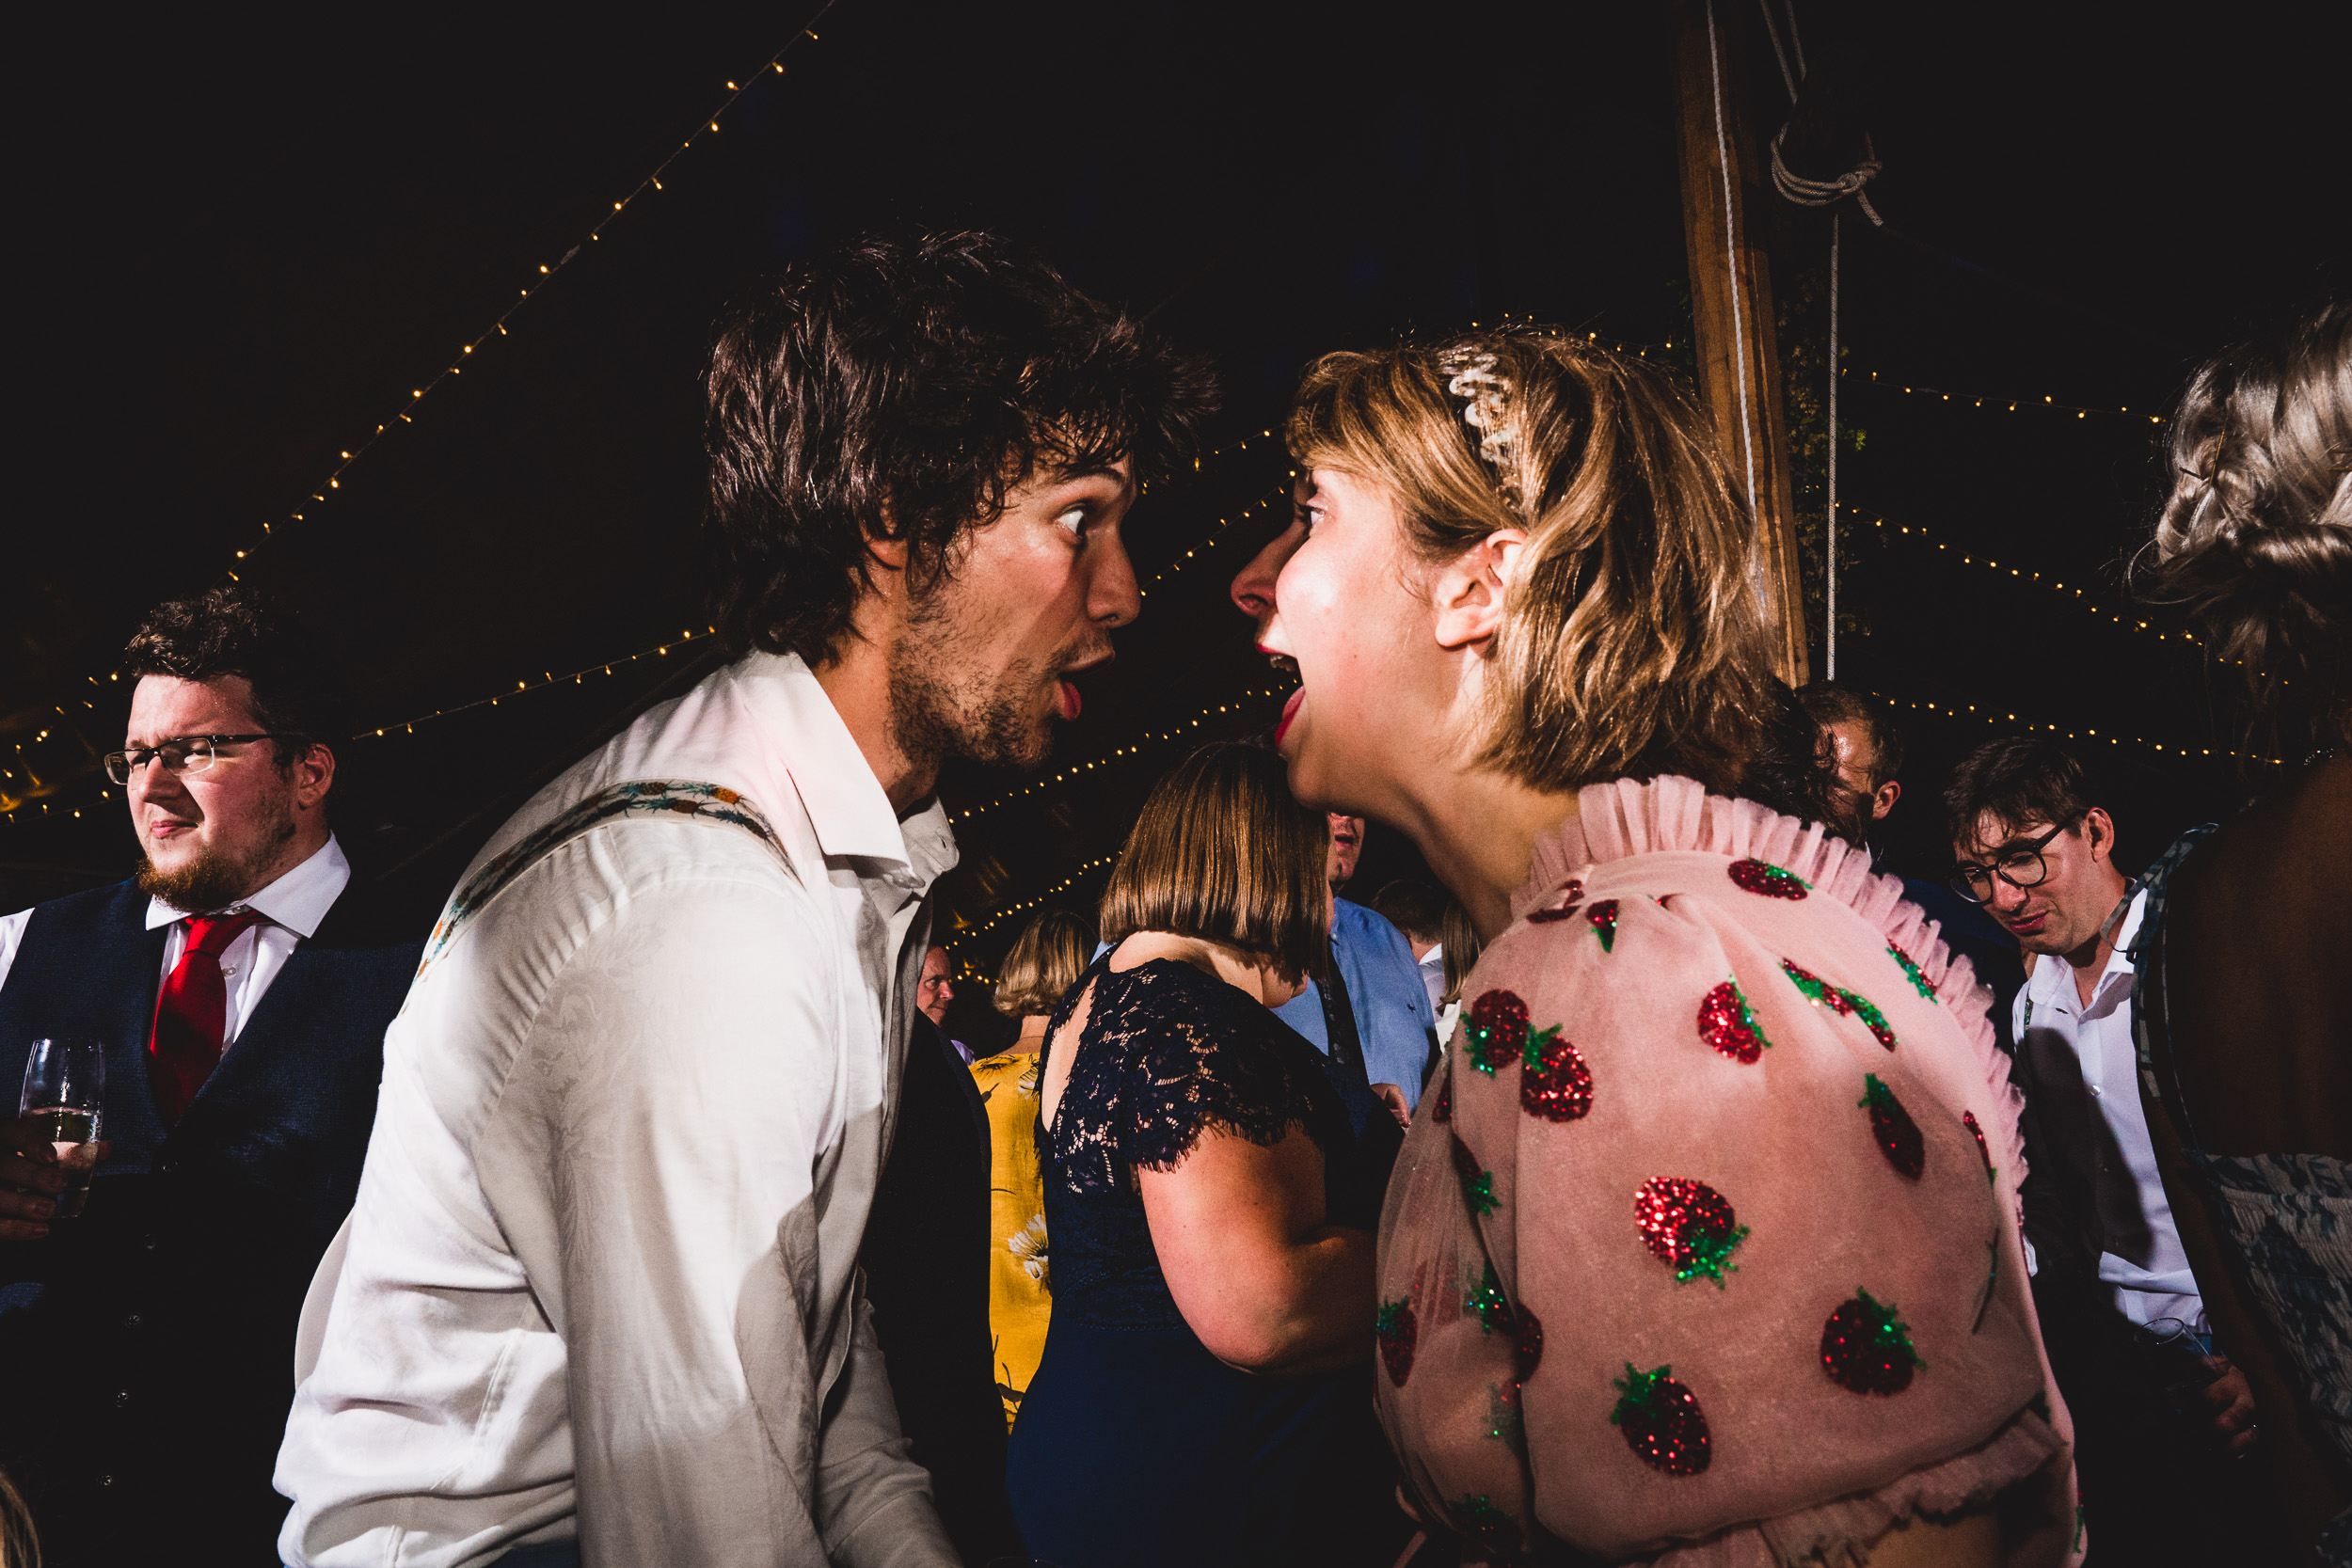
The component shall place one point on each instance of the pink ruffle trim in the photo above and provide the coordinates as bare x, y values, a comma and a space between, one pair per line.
1843, 1531
1629, 817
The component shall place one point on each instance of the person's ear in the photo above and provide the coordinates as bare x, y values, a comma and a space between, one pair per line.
2098, 833
313, 776
1883, 798
1468, 589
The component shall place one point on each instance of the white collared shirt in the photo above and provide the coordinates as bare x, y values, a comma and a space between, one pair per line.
294, 905
600, 1279
2157, 1282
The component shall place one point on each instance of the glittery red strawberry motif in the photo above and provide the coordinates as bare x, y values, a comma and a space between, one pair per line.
1483, 1522
1527, 1353
1482, 1299
1444, 1110
1845, 1003
1968, 1119
1865, 1347
1892, 1128
1477, 1184
1497, 1031
1398, 1333
1770, 880
1604, 916
1727, 1023
1661, 1422
1689, 1226
1913, 973
1554, 1082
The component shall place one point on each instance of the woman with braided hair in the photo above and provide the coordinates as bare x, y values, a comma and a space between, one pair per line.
2245, 1000
1703, 1247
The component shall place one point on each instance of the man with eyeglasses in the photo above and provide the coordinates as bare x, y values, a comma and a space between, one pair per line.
2123, 1314
240, 987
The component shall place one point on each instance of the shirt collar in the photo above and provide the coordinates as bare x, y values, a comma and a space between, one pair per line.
298, 900
846, 803
2052, 983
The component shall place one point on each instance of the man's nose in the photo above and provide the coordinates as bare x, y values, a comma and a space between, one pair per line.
1254, 585
1112, 595
2007, 895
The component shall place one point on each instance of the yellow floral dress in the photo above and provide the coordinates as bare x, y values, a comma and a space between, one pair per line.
1019, 1299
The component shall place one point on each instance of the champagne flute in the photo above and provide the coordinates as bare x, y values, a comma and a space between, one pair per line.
65, 1085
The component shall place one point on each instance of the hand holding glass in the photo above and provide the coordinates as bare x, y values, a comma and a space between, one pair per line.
65, 1084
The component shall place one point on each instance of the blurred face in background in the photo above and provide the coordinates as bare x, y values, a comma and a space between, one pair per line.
934, 991
1862, 797
1347, 843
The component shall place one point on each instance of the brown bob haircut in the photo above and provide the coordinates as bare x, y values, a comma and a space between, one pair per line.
1634, 640
1047, 958
1224, 852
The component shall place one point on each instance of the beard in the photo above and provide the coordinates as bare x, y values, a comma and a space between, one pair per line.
936, 711
218, 875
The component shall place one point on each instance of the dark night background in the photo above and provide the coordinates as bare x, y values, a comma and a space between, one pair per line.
243, 241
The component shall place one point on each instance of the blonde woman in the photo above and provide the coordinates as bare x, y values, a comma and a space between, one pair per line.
1702, 1246
1211, 1182
1045, 960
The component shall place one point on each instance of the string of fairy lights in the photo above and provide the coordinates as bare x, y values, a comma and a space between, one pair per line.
1010, 910
1183, 729
1992, 715
2046, 404
1212, 540
1919, 533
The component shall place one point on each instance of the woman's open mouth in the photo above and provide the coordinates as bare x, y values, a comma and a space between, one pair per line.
1290, 711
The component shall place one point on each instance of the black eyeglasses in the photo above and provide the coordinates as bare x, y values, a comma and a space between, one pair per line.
2020, 866
182, 753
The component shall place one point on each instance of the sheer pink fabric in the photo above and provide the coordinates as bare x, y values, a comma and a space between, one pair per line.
1831, 1276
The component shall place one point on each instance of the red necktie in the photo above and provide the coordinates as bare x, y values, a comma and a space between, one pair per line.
192, 1013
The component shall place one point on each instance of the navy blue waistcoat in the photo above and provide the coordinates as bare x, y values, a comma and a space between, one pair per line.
154, 1334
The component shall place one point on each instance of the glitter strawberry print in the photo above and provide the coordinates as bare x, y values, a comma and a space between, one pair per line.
1477, 1184
1845, 1003
1912, 972
1985, 1151
1867, 1348
1892, 1128
1527, 1348
1758, 876
1497, 1032
1691, 1227
1661, 1422
1554, 1081
1727, 1023
1398, 1333
1482, 1299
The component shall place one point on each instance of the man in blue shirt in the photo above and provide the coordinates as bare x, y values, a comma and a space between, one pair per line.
1377, 1010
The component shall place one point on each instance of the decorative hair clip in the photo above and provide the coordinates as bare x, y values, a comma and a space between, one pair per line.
1486, 406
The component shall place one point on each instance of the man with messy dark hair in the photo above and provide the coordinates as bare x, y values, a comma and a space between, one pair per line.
598, 1297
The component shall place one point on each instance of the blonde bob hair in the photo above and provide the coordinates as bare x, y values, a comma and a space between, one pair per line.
1633, 640
1047, 958
1224, 852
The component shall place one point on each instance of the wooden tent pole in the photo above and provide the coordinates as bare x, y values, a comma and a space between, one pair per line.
1731, 304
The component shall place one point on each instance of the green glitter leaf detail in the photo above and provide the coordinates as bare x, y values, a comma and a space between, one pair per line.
1875, 1095
1479, 1191
1709, 1254
1912, 972
1480, 1046
1388, 1319
1640, 1391
1489, 1523
1880, 1029
1486, 1302
1887, 1330
1532, 1054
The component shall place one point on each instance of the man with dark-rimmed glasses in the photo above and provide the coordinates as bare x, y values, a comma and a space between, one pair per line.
240, 989
2112, 1279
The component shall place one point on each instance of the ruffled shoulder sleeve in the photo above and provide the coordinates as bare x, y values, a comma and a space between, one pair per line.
1627, 816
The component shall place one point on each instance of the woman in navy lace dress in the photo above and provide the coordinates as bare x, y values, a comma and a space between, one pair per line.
1211, 1183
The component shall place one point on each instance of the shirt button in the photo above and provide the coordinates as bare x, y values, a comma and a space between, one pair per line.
2098, 1091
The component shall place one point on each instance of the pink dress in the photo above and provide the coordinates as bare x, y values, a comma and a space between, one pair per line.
1705, 1241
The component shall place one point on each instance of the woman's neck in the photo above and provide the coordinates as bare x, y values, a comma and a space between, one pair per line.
1032, 1035
1477, 829
1242, 970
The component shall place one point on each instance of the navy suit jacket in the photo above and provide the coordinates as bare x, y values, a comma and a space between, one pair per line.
154, 1334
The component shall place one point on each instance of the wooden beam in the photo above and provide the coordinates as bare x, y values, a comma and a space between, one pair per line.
1731, 303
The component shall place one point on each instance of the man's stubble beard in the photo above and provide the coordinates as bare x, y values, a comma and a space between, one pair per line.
216, 878
934, 715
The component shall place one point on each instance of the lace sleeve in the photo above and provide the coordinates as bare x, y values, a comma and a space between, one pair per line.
1194, 1061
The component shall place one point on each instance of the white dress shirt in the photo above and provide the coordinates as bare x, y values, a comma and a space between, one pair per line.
601, 1277
2151, 1276
294, 905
